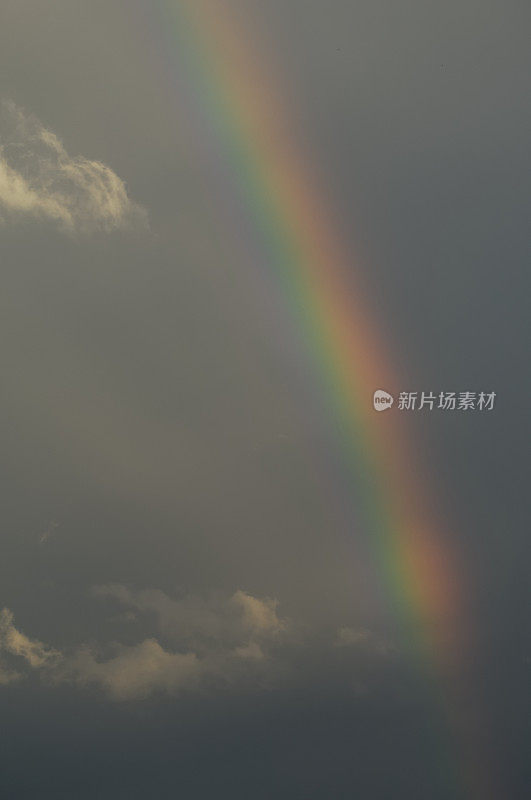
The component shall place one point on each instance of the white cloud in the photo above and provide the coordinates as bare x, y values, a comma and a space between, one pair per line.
209, 642
259, 616
196, 619
40, 180
133, 672
199, 643
15, 643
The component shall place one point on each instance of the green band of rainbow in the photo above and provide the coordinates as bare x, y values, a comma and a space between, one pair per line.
315, 277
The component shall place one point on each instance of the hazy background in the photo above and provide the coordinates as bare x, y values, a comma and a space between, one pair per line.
158, 429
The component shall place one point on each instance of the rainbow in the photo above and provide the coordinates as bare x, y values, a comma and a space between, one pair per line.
317, 281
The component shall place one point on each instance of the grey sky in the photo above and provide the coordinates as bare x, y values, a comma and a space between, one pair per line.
164, 439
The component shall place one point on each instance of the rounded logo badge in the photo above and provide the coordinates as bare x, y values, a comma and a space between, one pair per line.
382, 400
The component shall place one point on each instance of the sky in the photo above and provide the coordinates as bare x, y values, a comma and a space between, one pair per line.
193, 601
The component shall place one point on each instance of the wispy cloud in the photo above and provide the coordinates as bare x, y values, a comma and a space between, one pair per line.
39, 180
45, 536
195, 620
7, 675
15, 643
239, 640
362, 638
131, 672
205, 642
